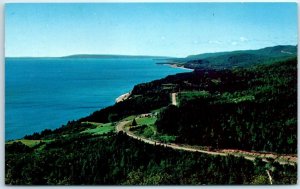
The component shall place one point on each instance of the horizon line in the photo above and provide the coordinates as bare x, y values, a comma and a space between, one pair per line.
143, 55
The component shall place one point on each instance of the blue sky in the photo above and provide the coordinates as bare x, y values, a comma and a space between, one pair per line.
170, 29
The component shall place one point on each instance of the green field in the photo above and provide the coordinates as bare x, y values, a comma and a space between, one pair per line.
146, 120
146, 126
29, 143
100, 129
129, 118
190, 95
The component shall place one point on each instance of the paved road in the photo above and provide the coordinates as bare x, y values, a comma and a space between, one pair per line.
121, 126
174, 102
270, 178
238, 153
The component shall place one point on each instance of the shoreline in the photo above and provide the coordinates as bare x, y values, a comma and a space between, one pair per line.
173, 65
119, 99
122, 97
125, 96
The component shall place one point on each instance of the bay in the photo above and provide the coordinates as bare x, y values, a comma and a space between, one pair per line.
45, 93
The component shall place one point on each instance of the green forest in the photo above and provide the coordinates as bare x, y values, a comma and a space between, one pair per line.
117, 159
251, 108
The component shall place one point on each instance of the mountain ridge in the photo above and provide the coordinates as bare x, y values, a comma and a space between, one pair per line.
239, 58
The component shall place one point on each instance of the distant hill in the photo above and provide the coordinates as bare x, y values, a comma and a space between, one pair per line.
242, 58
114, 56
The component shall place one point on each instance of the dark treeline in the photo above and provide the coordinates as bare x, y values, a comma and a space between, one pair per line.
198, 80
117, 159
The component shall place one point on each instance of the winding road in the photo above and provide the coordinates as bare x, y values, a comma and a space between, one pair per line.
282, 159
174, 102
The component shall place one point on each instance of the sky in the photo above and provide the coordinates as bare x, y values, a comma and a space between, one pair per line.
164, 29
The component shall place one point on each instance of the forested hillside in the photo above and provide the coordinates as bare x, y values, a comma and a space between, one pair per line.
236, 59
116, 159
252, 109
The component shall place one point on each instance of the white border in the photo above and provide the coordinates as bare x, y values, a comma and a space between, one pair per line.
2, 85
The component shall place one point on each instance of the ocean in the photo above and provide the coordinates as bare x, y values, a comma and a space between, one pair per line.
45, 93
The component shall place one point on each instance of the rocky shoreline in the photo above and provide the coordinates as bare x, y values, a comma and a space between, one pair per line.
123, 97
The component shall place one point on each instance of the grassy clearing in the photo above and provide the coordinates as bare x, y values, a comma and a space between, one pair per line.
145, 127
92, 123
129, 118
100, 129
29, 143
146, 120
190, 95
145, 131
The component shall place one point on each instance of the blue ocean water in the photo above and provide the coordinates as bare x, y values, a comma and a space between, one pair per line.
47, 93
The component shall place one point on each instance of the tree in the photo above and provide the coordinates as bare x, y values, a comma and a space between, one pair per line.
133, 123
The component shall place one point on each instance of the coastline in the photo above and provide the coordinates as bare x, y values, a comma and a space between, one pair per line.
122, 97
34, 125
176, 66
125, 96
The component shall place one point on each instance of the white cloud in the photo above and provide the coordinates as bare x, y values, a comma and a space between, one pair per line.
243, 39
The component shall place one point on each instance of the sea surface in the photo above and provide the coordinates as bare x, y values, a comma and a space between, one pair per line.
47, 93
